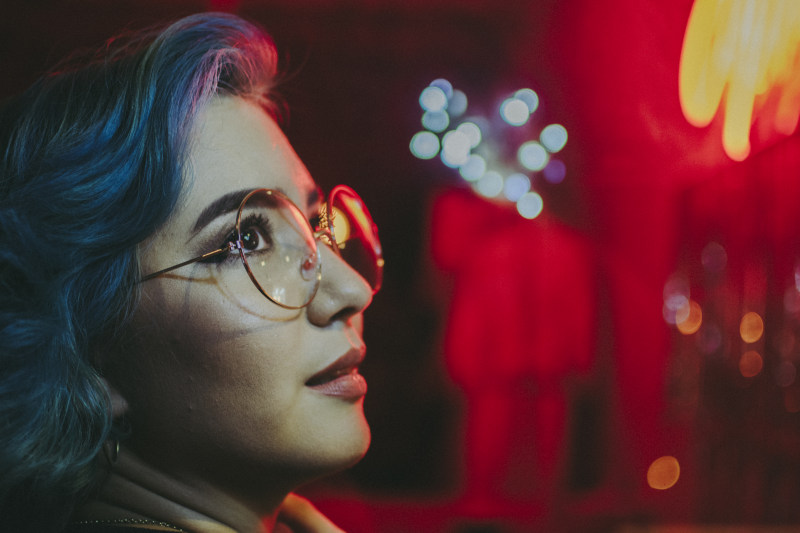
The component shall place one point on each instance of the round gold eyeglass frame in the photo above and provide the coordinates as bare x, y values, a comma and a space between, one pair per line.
323, 232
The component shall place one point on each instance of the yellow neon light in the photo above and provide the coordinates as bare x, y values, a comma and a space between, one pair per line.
747, 53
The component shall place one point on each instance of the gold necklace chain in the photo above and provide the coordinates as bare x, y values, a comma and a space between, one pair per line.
134, 521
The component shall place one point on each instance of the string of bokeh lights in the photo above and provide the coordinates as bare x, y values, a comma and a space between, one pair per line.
689, 317
481, 147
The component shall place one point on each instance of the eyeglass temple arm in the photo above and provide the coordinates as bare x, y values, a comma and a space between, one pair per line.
231, 246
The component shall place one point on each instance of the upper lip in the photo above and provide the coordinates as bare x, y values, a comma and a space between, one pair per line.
345, 364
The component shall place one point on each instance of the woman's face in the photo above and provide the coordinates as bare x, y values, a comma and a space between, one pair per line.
216, 376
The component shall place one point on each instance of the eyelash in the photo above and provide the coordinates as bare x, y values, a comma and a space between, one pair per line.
252, 220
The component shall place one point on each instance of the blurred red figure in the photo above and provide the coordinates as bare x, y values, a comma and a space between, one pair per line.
522, 323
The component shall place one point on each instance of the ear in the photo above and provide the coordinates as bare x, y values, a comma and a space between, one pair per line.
119, 405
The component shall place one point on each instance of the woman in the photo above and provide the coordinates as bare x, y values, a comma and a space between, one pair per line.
181, 312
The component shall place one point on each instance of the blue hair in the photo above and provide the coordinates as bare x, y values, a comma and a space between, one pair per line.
92, 162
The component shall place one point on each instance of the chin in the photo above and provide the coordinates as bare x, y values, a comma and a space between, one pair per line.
352, 448
360, 449
345, 446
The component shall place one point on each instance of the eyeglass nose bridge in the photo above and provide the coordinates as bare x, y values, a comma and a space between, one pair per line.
323, 232
325, 236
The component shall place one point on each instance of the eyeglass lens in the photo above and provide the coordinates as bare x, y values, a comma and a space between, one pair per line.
278, 249
356, 236
280, 252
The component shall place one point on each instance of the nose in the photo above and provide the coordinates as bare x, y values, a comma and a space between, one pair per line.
342, 293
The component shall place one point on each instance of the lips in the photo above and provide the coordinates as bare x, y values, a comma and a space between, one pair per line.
341, 378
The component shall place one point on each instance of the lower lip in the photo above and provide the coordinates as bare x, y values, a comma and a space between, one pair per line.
347, 387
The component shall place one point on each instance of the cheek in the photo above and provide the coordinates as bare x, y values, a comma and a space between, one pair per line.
233, 344
214, 363
242, 386
212, 306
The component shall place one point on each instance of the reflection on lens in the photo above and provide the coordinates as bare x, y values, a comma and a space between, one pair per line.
340, 226
309, 270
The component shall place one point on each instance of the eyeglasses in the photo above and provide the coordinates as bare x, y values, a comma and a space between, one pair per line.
278, 246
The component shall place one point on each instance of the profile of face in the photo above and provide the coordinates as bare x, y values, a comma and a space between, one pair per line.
223, 387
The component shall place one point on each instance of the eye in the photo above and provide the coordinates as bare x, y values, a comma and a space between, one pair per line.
256, 234
251, 239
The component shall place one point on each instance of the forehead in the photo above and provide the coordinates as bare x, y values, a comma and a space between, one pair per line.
236, 145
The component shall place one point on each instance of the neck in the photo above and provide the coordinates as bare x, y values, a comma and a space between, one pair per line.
135, 489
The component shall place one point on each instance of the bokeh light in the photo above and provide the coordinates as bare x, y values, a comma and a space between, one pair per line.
676, 297
436, 120
472, 131
532, 156
555, 171
480, 148
515, 186
514, 111
490, 184
689, 317
530, 205
445, 86
455, 149
751, 328
682, 312
474, 168
458, 103
676, 292
668, 314
433, 99
530, 98
554, 137
424, 145
751, 363
663, 473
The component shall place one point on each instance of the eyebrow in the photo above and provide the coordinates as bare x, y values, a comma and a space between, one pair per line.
230, 203
227, 203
